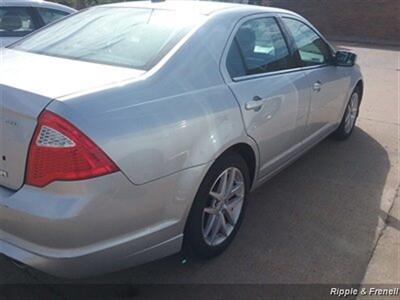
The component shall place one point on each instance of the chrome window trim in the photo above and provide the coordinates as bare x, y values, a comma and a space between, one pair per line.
224, 56
261, 75
243, 20
267, 74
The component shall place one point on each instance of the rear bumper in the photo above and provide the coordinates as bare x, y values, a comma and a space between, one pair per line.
79, 229
103, 261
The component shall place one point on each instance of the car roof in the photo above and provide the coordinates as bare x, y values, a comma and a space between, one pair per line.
199, 7
36, 3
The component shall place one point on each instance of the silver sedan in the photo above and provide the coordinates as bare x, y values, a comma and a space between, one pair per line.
134, 130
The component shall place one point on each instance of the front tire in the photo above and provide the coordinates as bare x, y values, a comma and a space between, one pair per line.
218, 207
349, 118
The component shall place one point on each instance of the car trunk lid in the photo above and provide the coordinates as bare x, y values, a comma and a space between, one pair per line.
28, 83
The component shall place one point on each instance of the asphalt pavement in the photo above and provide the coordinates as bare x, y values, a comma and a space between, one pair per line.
330, 218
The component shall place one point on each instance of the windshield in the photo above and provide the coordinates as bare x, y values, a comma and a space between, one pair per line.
129, 37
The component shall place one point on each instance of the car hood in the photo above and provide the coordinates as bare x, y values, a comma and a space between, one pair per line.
54, 77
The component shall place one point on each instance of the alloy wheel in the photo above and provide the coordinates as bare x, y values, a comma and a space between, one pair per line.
351, 113
224, 206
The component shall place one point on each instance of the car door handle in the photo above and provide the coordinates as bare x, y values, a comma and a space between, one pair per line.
254, 104
317, 86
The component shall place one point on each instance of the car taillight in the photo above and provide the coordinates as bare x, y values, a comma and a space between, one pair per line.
60, 151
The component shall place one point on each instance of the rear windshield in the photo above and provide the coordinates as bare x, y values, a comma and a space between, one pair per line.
129, 37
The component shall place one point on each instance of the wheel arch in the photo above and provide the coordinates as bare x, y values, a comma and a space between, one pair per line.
360, 86
248, 151
249, 156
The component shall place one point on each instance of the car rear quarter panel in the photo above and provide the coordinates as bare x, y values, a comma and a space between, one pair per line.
179, 116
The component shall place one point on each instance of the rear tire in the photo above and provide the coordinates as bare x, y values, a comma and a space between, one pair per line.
217, 212
349, 118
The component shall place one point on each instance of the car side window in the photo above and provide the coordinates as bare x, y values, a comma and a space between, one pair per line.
50, 15
234, 63
258, 47
311, 47
15, 21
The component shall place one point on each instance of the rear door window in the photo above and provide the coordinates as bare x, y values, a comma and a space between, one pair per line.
258, 47
16, 21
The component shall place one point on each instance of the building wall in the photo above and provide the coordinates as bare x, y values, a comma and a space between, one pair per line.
375, 21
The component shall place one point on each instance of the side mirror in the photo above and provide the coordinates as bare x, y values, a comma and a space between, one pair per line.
345, 59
